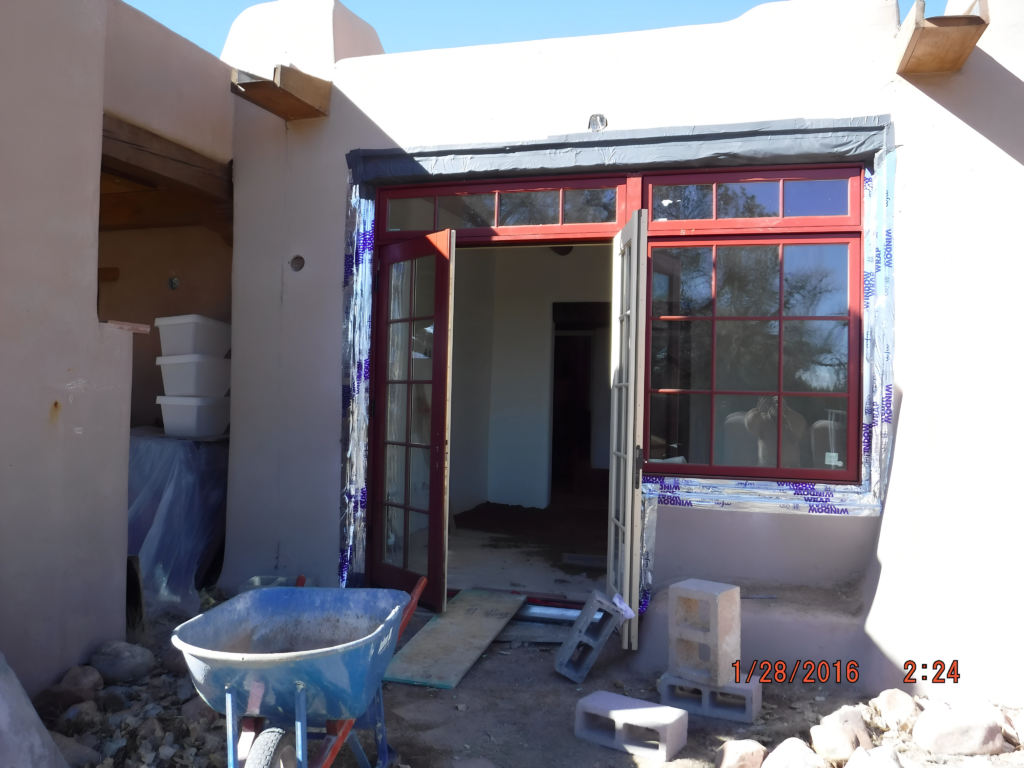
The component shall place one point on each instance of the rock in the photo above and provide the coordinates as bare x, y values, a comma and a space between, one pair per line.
111, 746
185, 690
86, 714
859, 759
84, 680
794, 753
112, 699
119, 662
196, 709
52, 702
852, 719
151, 730
897, 709
834, 741
1009, 729
74, 753
966, 730
166, 752
151, 710
24, 740
743, 753
173, 661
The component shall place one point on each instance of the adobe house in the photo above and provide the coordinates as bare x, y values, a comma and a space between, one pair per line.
737, 244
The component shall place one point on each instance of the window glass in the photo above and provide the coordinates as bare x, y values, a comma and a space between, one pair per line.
825, 197
519, 209
423, 290
397, 411
748, 200
398, 352
419, 536
410, 213
401, 274
822, 421
422, 349
588, 206
681, 283
394, 537
745, 431
688, 201
816, 279
748, 280
680, 429
465, 211
681, 354
814, 355
747, 355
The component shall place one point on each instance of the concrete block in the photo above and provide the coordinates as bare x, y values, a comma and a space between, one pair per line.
587, 637
704, 630
23, 738
732, 701
631, 725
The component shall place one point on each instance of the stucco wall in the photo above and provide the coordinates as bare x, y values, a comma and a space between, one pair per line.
946, 553
65, 378
147, 259
156, 79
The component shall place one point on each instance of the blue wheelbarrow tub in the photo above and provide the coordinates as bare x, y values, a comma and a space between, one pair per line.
263, 644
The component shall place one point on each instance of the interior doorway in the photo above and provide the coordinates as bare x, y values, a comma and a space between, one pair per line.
530, 416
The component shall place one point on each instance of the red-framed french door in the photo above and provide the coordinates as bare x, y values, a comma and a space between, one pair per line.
412, 339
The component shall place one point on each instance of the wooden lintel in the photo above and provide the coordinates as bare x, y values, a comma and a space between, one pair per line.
937, 43
141, 155
291, 95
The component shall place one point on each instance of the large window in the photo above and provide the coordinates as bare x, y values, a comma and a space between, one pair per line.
754, 340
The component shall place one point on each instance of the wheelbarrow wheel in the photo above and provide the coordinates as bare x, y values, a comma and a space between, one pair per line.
273, 748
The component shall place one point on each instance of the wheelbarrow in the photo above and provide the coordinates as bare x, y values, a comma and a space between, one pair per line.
307, 658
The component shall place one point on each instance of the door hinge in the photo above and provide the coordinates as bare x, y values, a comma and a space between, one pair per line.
376, 279
371, 407
638, 462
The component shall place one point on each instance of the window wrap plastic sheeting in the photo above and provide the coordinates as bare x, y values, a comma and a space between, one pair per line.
358, 294
177, 496
868, 498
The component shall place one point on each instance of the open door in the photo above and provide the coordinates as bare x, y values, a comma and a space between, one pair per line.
410, 415
628, 344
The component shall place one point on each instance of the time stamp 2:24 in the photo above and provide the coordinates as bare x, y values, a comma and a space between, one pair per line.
820, 672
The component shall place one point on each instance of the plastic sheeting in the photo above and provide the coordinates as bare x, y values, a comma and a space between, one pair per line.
177, 495
358, 293
775, 141
868, 139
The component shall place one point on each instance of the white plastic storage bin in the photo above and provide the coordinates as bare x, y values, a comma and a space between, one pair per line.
195, 416
195, 375
193, 335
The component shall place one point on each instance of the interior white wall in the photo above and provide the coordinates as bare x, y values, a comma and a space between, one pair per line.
527, 282
472, 351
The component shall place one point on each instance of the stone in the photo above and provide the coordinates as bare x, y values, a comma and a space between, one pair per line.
794, 753
897, 709
743, 753
173, 661
75, 754
859, 759
24, 740
965, 730
833, 741
852, 719
84, 714
50, 703
196, 709
151, 710
166, 752
120, 662
1009, 729
84, 680
151, 730
113, 698
185, 690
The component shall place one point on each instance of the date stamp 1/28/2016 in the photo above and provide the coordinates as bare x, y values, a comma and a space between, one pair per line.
801, 672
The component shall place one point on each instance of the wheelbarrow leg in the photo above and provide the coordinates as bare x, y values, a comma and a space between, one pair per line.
373, 719
337, 731
229, 717
300, 727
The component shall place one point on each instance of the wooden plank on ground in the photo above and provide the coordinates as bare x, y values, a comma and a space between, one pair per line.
443, 651
533, 632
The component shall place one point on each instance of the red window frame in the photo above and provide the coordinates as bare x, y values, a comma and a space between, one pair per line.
635, 191
627, 200
854, 347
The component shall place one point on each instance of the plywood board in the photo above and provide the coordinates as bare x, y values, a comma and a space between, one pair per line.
443, 651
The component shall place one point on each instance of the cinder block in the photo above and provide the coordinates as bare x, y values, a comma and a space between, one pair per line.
703, 630
587, 637
732, 701
631, 725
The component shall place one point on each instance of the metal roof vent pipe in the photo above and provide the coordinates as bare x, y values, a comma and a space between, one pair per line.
598, 122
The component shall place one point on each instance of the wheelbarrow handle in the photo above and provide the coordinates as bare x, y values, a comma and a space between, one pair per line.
411, 607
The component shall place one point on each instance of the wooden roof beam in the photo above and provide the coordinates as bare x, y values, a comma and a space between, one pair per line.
939, 43
139, 155
291, 95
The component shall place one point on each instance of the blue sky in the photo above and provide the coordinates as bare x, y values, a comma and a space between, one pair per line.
413, 25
